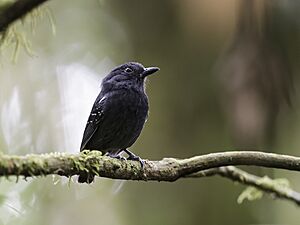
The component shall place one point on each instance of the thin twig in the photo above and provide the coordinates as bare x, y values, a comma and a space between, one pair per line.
264, 184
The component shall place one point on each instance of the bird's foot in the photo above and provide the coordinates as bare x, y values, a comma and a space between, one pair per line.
116, 156
134, 157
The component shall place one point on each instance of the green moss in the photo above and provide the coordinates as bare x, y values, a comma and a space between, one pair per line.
91, 162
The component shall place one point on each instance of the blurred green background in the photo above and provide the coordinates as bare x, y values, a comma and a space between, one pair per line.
228, 75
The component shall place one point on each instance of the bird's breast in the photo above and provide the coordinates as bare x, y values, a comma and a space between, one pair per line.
134, 106
125, 115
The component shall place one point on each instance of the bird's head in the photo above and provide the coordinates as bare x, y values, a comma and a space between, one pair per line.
131, 74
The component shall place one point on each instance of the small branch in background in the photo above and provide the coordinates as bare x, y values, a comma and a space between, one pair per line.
16, 11
264, 184
167, 169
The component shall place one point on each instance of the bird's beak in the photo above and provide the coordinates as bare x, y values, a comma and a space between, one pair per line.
148, 71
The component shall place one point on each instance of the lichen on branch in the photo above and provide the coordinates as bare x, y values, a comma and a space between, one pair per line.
167, 169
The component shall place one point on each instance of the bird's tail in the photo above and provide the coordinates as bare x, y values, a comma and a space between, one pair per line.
85, 178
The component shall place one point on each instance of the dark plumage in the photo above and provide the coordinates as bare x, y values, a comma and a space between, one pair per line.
118, 114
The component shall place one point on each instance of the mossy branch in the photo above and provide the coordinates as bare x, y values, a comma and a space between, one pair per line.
278, 187
167, 169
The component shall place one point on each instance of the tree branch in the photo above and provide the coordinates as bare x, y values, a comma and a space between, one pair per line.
167, 169
264, 184
16, 11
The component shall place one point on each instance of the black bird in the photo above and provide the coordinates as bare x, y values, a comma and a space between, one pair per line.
118, 114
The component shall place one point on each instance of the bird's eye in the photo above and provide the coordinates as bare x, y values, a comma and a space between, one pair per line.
128, 70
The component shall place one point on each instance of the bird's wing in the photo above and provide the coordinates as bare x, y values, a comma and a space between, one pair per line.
96, 116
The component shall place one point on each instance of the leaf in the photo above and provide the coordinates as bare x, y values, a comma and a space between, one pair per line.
250, 194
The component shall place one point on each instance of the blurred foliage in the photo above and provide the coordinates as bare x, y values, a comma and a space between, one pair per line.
15, 37
45, 101
255, 77
6, 3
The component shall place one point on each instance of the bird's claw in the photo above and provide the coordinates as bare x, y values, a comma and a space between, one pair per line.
133, 157
116, 156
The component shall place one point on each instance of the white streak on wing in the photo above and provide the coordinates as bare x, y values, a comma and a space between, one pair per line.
102, 99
